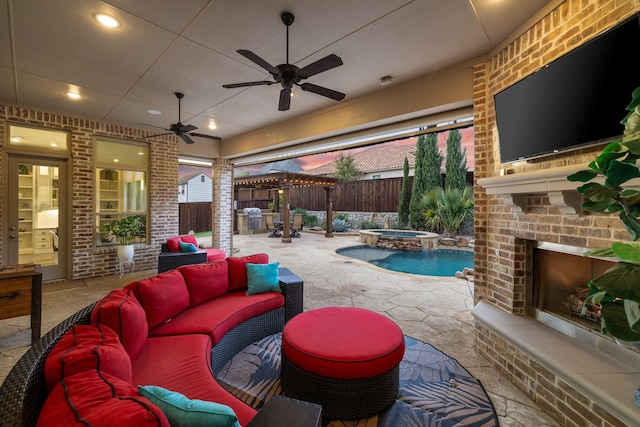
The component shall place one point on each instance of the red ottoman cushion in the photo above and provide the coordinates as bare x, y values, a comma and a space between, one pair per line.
87, 347
215, 254
342, 342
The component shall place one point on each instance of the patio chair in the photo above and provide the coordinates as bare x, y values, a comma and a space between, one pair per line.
296, 227
271, 228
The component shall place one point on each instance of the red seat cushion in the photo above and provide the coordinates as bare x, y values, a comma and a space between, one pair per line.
341, 342
205, 281
162, 296
182, 363
173, 244
238, 269
121, 311
218, 316
87, 347
89, 398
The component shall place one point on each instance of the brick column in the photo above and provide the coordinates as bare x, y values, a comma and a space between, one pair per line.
222, 205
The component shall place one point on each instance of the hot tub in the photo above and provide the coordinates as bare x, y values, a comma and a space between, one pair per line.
405, 240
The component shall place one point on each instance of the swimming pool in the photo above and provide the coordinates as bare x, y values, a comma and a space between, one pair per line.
439, 262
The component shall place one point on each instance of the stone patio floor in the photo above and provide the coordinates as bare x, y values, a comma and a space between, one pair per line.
436, 310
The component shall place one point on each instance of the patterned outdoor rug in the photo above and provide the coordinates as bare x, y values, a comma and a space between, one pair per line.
435, 390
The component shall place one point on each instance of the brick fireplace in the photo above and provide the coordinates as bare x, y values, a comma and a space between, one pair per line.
580, 377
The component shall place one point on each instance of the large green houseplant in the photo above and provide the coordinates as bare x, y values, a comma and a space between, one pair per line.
618, 289
127, 230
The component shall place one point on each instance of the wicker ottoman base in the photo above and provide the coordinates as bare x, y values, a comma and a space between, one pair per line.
341, 399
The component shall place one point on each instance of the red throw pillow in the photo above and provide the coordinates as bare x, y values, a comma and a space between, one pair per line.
121, 311
189, 238
238, 269
89, 398
162, 296
205, 281
173, 244
87, 347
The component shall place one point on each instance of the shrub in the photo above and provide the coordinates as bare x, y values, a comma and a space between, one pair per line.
367, 225
447, 208
340, 225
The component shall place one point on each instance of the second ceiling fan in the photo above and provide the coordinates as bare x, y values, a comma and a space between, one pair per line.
289, 75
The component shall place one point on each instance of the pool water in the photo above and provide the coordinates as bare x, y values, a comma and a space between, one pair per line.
439, 262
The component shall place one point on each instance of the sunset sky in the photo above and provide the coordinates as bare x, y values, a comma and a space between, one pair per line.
315, 160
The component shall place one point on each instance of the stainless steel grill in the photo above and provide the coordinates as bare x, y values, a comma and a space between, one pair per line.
255, 218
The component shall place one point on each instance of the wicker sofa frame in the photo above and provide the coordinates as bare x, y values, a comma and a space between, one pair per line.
24, 391
170, 260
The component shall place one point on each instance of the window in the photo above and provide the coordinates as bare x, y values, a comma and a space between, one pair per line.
121, 175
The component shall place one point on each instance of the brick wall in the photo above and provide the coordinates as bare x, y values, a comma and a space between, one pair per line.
87, 259
500, 234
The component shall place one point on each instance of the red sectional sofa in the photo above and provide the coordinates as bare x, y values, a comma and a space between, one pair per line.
174, 331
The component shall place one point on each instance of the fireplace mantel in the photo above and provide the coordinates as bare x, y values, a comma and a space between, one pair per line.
514, 188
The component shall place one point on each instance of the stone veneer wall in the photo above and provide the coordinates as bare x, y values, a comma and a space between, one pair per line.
501, 235
87, 259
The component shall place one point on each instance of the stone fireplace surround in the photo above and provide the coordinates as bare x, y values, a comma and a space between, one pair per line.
578, 376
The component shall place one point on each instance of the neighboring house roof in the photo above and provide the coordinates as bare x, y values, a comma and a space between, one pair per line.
186, 178
281, 166
375, 159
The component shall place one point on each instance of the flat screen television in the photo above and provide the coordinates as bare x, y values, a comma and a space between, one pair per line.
575, 101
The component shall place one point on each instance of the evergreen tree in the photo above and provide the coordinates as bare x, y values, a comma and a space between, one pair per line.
345, 168
456, 163
432, 164
405, 196
427, 175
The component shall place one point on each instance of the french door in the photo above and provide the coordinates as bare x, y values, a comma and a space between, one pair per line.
36, 213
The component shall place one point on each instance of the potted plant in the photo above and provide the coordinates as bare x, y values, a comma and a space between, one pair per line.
126, 231
618, 289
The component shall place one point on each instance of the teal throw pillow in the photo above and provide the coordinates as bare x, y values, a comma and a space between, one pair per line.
263, 278
182, 411
187, 247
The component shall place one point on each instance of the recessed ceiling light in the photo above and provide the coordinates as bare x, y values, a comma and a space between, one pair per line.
17, 139
154, 112
115, 160
212, 125
53, 144
106, 20
73, 95
140, 153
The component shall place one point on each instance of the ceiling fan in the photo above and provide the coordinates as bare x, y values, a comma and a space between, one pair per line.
289, 75
183, 131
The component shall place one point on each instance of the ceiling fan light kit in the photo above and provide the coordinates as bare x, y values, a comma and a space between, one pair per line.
289, 75
183, 131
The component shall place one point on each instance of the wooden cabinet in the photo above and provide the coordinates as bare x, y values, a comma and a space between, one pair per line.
43, 240
21, 294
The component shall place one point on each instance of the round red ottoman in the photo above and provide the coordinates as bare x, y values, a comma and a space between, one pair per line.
345, 359
215, 254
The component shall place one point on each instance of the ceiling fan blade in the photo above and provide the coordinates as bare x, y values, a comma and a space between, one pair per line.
245, 84
261, 62
202, 135
329, 93
186, 138
186, 128
159, 134
285, 99
324, 64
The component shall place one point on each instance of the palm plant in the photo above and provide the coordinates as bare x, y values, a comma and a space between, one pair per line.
447, 209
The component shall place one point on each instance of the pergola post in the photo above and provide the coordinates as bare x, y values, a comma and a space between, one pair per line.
329, 206
286, 225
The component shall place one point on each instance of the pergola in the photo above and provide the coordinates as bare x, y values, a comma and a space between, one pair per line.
284, 181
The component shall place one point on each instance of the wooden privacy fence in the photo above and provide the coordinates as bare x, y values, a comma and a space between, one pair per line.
374, 195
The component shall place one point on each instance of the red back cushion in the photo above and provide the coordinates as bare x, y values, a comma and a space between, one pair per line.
205, 281
121, 311
87, 347
162, 296
89, 398
173, 244
238, 269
